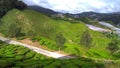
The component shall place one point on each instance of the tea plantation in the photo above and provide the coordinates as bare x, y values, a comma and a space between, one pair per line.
12, 56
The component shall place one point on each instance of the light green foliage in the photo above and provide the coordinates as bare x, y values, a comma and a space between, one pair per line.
46, 42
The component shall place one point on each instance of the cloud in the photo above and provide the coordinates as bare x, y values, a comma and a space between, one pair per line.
78, 6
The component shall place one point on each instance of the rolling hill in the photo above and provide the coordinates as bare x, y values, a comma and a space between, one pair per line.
56, 32
30, 21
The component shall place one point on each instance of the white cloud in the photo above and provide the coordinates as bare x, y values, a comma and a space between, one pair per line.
78, 6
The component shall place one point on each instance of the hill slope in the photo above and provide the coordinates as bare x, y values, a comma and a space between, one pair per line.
30, 21
113, 18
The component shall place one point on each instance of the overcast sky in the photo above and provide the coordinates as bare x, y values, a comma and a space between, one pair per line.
78, 6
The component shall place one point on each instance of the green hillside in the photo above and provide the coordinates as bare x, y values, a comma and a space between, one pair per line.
34, 24
14, 56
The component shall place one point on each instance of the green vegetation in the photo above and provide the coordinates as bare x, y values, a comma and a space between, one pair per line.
18, 56
113, 46
14, 31
46, 42
47, 29
73, 38
60, 40
89, 21
86, 39
6, 5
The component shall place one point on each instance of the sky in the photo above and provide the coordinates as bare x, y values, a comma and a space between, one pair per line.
78, 6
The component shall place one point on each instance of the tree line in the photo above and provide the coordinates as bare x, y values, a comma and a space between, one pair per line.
6, 5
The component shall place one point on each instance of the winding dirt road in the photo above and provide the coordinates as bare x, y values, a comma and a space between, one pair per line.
38, 50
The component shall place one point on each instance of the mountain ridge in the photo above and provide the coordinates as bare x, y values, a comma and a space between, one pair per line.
42, 9
111, 17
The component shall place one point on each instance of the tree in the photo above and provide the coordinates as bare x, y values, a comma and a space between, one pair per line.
60, 40
14, 31
113, 46
117, 54
6, 5
19, 4
86, 39
30, 33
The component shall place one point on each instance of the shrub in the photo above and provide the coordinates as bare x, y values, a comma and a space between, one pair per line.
113, 46
37, 56
9, 54
29, 55
18, 57
117, 54
1, 42
14, 31
4, 63
69, 65
46, 42
41, 42
55, 64
22, 50
60, 40
86, 39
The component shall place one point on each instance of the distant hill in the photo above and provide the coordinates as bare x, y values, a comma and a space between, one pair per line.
113, 17
42, 10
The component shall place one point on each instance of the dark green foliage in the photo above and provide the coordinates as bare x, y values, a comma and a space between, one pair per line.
1, 42
37, 56
117, 54
111, 35
113, 46
19, 5
60, 40
55, 64
5, 63
0, 22
14, 31
85, 20
29, 55
6, 5
86, 39
22, 51
30, 33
